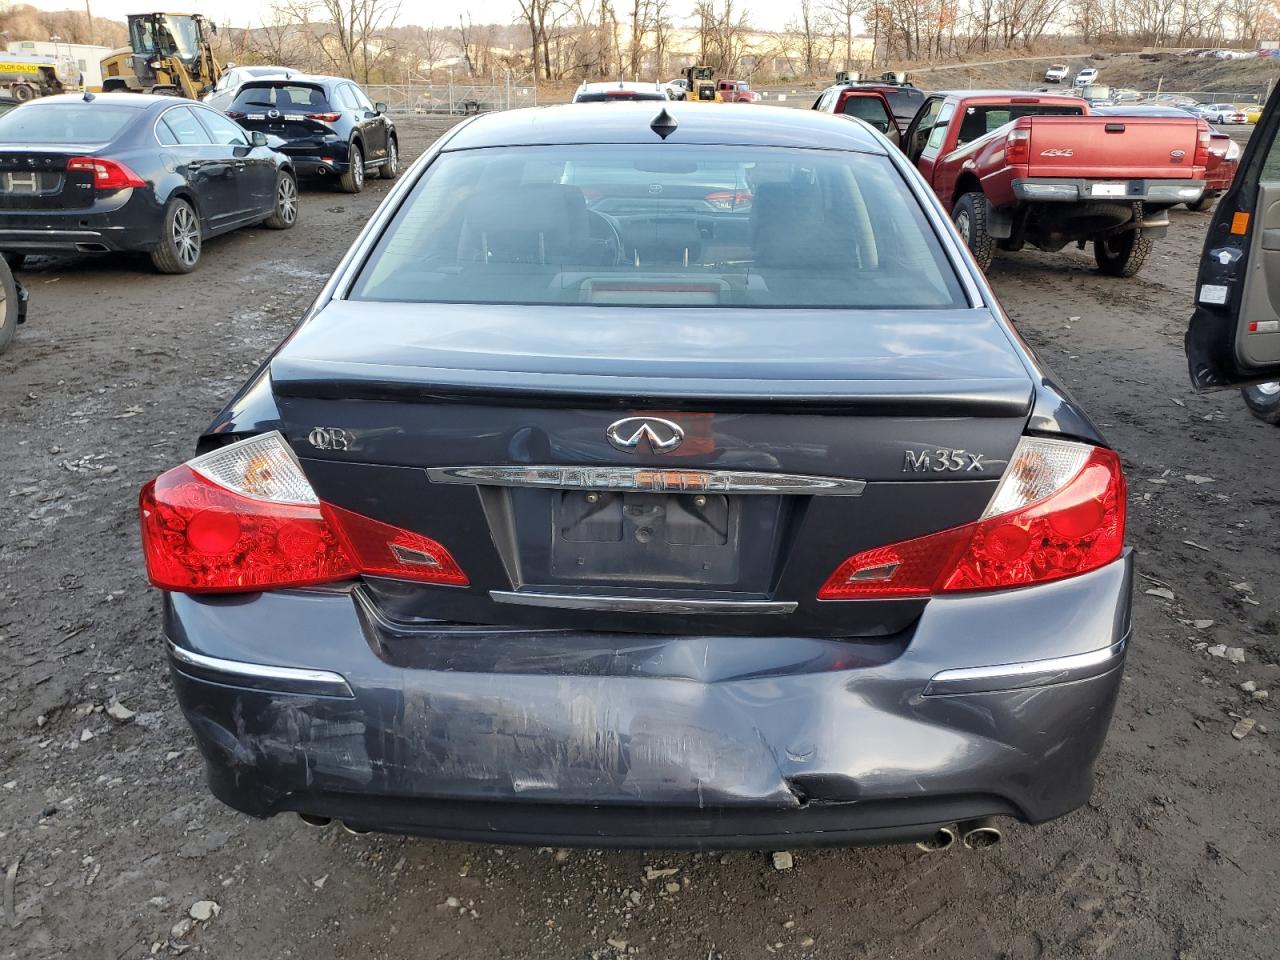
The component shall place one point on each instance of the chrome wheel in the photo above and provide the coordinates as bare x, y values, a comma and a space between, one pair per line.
186, 235
287, 200
962, 224
357, 166
393, 158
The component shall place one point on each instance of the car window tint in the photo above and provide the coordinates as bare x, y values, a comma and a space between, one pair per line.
870, 109
285, 97
63, 122
224, 131
165, 134
980, 120
343, 95
185, 126
905, 101
361, 101
676, 225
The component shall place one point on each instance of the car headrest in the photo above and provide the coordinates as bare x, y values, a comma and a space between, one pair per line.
528, 223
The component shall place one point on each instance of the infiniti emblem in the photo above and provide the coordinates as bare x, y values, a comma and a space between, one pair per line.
663, 435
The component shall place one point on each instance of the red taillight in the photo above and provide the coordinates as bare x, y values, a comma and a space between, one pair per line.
1077, 528
107, 174
201, 536
1017, 146
728, 199
324, 117
1201, 158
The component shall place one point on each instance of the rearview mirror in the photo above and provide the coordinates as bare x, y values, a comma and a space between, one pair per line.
258, 138
380, 107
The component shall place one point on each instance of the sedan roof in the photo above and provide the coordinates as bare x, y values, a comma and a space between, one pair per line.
696, 123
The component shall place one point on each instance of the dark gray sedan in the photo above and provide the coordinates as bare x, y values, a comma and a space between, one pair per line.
656, 477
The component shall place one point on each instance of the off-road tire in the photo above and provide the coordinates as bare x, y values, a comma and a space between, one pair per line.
391, 168
174, 253
1121, 254
1263, 401
285, 214
353, 180
970, 218
14, 260
8, 308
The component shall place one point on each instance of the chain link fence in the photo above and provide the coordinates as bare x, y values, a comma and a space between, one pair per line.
453, 99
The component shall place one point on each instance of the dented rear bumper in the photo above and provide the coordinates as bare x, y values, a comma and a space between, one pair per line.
993, 704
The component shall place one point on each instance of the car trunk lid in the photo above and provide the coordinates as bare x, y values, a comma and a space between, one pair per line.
506, 434
37, 178
1114, 148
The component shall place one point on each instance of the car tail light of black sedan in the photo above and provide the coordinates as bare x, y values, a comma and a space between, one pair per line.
119, 173
585, 507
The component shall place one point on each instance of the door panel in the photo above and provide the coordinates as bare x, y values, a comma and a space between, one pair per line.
1233, 337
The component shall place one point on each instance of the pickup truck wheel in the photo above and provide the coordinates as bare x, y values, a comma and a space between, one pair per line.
1121, 254
1263, 400
970, 218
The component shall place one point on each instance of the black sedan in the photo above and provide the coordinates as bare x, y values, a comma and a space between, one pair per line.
328, 126
124, 172
650, 474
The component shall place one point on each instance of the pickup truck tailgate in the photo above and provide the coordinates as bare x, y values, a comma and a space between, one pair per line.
1114, 148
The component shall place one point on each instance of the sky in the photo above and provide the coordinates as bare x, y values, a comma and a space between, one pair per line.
766, 14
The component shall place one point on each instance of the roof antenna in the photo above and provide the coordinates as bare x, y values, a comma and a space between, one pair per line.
664, 124
88, 97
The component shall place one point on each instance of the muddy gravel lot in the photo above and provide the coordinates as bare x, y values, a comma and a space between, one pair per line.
110, 844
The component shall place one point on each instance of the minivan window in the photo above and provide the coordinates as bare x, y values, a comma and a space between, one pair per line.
669, 225
65, 123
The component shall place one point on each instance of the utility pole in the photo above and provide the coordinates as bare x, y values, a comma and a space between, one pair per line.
89, 16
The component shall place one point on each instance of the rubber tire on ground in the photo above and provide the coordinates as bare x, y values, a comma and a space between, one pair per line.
280, 218
8, 308
970, 217
165, 256
1204, 203
22, 92
1121, 254
1263, 405
353, 180
14, 260
391, 169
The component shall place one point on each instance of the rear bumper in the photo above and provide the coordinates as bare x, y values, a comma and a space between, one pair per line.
133, 225
1079, 189
996, 704
324, 160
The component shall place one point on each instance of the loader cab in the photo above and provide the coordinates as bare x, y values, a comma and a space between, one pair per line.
168, 53
701, 83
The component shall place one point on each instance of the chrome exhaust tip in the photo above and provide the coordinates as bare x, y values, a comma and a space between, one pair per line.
980, 834
311, 820
354, 831
942, 838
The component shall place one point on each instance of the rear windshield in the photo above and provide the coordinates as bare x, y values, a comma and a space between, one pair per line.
65, 123
618, 95
905, 100
979, 121
870, 109
661, 225
296, 97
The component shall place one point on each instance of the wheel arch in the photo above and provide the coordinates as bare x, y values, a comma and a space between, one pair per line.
967, 182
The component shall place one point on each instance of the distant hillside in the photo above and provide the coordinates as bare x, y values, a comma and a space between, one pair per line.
24, 22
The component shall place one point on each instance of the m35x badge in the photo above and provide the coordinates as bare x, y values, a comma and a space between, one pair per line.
942, 461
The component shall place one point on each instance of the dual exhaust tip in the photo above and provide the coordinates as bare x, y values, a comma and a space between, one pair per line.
311, 820
974, 834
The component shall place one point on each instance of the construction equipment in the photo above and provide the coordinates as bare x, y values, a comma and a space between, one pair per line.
168, 53
28, 76
702, 84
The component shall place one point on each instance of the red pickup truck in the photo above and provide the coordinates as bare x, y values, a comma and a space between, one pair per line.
1018, 168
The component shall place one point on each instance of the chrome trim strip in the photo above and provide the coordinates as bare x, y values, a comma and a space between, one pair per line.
648, 480
1033, 673
319, 681
577, 601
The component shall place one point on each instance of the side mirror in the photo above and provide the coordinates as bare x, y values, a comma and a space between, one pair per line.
258, 138
380, 107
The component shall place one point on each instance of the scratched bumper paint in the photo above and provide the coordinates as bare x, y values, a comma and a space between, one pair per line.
550, 736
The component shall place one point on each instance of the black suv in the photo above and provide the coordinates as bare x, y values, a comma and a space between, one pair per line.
329, 126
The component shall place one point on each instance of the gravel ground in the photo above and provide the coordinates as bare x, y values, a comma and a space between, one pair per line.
109, 842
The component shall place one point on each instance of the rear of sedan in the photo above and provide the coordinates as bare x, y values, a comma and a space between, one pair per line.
68, 181
650, 481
